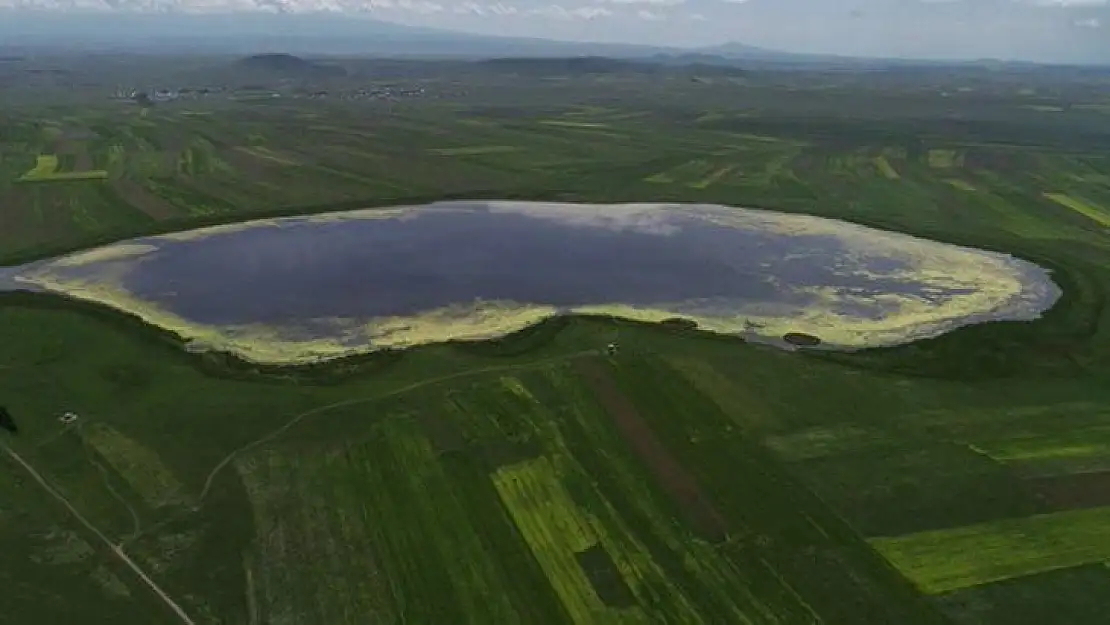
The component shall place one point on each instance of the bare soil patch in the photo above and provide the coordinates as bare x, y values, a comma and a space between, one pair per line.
246, 163
12, 207
62, 145
676, 481
1070, 492
21, 220
84, 160
998, 160
605, 577
134, 194
77, 150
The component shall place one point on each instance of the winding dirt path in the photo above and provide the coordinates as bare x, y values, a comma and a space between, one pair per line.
116, 549
222, 464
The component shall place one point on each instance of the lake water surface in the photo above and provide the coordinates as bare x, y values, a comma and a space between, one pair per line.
304, 288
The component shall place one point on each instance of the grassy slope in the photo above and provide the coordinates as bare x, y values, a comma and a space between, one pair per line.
407, 493
414, 479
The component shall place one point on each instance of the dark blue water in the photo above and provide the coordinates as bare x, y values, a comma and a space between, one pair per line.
392, 267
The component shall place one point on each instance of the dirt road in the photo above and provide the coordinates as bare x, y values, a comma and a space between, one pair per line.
116, 549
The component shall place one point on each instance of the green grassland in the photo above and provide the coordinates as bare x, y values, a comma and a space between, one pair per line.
534, 479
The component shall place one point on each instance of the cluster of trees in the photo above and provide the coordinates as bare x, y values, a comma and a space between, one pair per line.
6, 421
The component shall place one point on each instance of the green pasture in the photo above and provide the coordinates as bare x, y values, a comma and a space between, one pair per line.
534, 479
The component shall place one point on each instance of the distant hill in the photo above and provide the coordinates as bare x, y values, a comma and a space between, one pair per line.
247, 33
288, 65
30, 32
692, 65
736, 50
536, 66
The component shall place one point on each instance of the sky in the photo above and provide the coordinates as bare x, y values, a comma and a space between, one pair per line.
1052, 30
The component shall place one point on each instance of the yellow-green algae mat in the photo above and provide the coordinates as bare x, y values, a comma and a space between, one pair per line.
977, 285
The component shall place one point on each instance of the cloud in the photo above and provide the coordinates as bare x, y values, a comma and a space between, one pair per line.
652, 2
1070, 3
473, 8
559, 12
423, 7
1044, 30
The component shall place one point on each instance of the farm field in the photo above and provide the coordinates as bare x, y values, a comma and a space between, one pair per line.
687, 478
991, 552
1095, 213
47, 169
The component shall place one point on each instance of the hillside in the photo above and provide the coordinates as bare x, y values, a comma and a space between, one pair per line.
287, 65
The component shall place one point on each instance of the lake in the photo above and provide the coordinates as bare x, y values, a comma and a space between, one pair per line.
298, 289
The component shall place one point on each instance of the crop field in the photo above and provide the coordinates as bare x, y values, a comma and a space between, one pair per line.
1063, 595
194, 163
501, 467
945, 560
1095, 213
886, 168
689, 478
49, 167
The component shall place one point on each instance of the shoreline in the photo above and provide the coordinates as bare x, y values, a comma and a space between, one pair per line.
197, 347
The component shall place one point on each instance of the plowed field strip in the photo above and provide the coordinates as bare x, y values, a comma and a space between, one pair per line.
679, 483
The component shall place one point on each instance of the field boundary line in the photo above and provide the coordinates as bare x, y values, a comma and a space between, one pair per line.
222, 464
103, 472
53, 437
116, 549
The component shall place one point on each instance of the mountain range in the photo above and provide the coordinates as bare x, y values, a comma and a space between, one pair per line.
329, 34
305, 34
